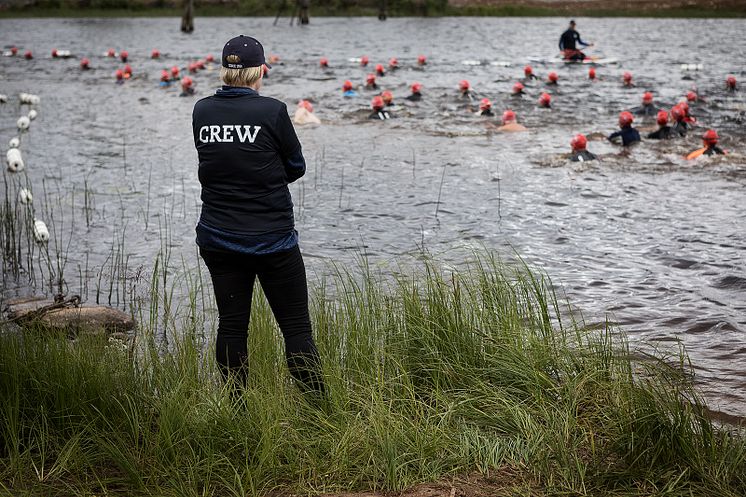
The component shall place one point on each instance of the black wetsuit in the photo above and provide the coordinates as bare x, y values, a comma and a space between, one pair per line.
629, 135
380, 115
487, 112
680, 128
646, 110
582, 156
662, 133
414, 97
568, 42
369, 86
714, 150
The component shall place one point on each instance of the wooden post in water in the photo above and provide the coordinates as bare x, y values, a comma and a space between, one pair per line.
382, 10
303, 11
187, 19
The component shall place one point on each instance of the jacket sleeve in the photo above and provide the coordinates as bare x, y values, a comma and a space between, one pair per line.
290, 147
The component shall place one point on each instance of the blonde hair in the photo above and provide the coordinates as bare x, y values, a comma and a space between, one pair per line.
241, 77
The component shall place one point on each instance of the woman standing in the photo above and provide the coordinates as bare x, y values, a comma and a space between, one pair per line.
248, 154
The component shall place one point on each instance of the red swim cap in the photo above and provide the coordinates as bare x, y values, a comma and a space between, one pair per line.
591, 73
186, 82
84, 63
647, 98
28, 55
165, 76
485, 104
324, 62
127, 69
155, 54
387, 96
545, 99
416, 87
509, 116
731, 82
377, 103
110, 53
528, 71
662, 118
14, 50
710, 138
625, 119
347, 85
627, 77
685, 107
691, 96
364, 60
518, 88
306, 105
370, 79
210, 58
54, 53
174, 71
123, 55
677, 113
379, 69
422, 60
553, 77
192, 67
393, 62
464, 85
119, 74
578, 142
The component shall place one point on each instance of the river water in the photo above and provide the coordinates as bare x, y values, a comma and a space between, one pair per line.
643, 238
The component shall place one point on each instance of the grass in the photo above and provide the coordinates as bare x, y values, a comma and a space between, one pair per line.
430, 374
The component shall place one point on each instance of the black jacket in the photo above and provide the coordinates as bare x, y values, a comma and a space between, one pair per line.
248, 153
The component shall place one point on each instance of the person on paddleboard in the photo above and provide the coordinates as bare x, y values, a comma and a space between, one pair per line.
568, 43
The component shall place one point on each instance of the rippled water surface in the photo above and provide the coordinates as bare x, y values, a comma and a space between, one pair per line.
645, 238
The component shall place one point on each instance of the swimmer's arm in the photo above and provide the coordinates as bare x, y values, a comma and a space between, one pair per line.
614, 136
581, 42
290, 148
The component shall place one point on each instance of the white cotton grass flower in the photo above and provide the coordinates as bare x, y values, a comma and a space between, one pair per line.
23, 123
32, 114
14, 160
24, 196
41, 233
14, 142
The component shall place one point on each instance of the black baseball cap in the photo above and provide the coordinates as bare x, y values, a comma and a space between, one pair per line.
243, 51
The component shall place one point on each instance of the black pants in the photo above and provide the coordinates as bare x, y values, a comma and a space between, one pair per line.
283, 279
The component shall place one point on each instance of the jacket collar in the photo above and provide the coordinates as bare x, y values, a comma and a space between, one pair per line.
234, 91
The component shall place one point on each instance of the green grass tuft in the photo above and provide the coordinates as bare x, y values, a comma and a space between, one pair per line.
430, 375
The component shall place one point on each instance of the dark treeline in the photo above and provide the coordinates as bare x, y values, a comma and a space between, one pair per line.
247, 7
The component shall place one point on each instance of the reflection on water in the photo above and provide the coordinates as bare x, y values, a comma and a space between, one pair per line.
655, 243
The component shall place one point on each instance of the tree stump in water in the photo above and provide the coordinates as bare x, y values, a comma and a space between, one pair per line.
187, 19
303, 11
68, 315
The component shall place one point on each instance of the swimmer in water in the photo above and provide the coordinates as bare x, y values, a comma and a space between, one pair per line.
510, 123
647, 108
165, 79
568, 44
370, 82
388, 98
730, 83
518, 90
680, 126
528, 73
379, 113
347, 90
187, 90
416, 94
664, 131
485, 107
710, 141
579, 151
552, 79
627, 133
393, 64
627, 80
380, 71
545, 100
465, 90
304, 114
